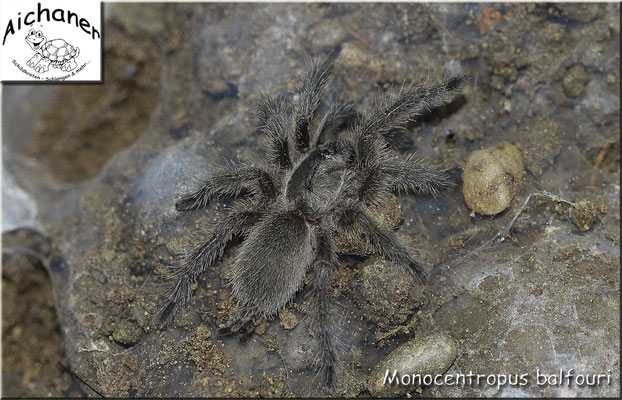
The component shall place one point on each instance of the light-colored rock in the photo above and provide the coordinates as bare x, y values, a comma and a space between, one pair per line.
288, 319
584, 214
574, 82
431, 354
491, 177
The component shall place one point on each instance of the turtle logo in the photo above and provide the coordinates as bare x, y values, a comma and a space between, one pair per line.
56, 53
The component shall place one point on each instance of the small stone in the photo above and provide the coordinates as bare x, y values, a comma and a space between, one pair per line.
353, 55
108, 255
574, 82
127, 333
536, 170
431, 354
584, 214
611, 79
507, 106
581, 12
327, 33
288, 319
140, 316
261, 328
160, 270
361, 63
508, 71
491, 177
175, 246
218, 86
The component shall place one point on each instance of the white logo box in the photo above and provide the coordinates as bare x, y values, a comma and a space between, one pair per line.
51, 41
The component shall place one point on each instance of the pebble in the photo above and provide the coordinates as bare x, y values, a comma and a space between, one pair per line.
127, 333
175, 246
574, 82
584, 214
491, 177
288, 319
431, 354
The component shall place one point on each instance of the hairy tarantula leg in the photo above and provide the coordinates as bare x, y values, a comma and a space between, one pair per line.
386, 243
202, 257
274, 124
269, 107
411, 174
339, 116
397, 109
321, 311
309, 86
228, 180
374, 189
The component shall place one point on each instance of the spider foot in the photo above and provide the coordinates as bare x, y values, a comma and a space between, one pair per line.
417, 272
328, 378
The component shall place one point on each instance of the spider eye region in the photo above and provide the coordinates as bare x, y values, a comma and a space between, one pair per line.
316, 181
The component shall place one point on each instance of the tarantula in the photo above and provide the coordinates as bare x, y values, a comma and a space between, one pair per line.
321, 179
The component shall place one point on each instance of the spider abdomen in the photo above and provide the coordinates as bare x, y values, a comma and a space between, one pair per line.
271, 265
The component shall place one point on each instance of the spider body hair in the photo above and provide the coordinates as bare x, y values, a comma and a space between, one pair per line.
318, 183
